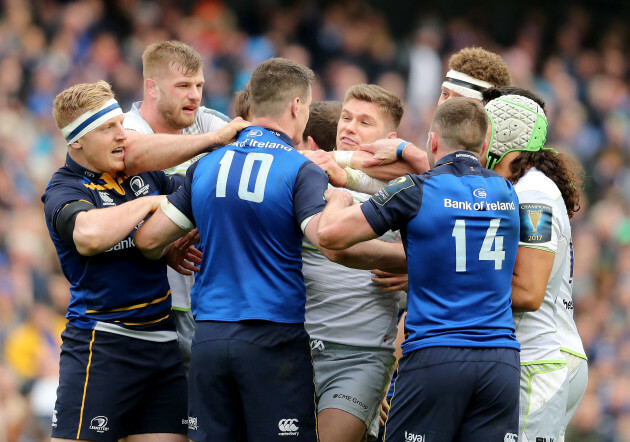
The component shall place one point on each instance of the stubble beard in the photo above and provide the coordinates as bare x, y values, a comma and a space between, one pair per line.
172, 117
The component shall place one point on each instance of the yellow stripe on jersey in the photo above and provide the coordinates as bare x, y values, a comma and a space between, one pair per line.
111, 183
132, 307
155, 321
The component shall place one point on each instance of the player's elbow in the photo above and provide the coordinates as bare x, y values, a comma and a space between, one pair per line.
88, 241
150, 247
330, 239
527, 300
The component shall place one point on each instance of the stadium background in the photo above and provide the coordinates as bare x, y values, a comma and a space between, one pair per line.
575, 54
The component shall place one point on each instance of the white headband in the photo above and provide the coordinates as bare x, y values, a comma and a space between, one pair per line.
90, 121
465, 85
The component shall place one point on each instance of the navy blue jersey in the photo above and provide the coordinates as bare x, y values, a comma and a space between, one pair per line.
460, 228
118, 285
250, 200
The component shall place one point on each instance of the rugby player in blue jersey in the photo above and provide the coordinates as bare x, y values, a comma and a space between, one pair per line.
251, 374
121, 374
458, 379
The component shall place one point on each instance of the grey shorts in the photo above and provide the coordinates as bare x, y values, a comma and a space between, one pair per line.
543, 401
352, 379
185, 324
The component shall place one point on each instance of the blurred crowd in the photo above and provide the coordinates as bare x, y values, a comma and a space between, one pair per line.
578, 64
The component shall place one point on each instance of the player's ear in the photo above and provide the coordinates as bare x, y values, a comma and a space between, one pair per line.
76, 145
435, 141
150, 87
484, 149
392, 134
312, 145
295, 106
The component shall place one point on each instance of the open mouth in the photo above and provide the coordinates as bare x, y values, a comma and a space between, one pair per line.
189, 109
120, 150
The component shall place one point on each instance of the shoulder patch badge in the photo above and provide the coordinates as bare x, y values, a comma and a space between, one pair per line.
386, 193
535, 222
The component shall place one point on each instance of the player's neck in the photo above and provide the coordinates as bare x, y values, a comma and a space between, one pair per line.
274, 124
150, 115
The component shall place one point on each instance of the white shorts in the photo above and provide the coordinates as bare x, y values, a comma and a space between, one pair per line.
352, 379
578, 378
543, 400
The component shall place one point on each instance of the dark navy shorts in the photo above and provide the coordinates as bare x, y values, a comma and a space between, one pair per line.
456, 394
111, 386
251, 381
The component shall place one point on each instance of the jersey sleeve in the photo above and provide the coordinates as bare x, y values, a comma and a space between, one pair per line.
540, 222
58, 196
308, 194
212, 120
180, 205
392, 206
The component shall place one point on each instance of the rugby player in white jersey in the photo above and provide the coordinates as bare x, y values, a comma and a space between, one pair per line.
173, 83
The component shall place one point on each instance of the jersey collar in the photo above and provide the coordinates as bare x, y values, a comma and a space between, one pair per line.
460, 155
77, 168
284, 137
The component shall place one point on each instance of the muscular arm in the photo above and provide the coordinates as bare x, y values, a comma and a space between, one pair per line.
342, 224
156, 234
145, 152
416, 158
366, 255
385, 172
529, 280
97, 230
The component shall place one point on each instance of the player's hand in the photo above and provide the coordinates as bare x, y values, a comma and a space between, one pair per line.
228, 133
384, 151
339, 194
390, 282
383, 411
182, 256
326, 161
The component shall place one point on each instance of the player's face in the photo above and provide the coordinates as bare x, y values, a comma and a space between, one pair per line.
178, 97
103, 149
446, 94
360, 122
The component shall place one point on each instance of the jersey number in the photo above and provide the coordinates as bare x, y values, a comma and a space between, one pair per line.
486, 253
258, 194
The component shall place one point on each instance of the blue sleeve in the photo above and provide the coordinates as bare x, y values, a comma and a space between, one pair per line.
394, 205
308, 193
181, 196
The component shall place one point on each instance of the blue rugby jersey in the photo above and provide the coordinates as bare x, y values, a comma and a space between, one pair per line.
249, 200
460, 227
119, 285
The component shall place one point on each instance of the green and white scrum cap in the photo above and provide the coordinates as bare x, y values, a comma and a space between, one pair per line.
518, 123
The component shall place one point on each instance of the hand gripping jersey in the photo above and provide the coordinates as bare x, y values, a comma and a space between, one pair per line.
545, 225
460, 229
343, 305
251, 201
118, 286
207, 120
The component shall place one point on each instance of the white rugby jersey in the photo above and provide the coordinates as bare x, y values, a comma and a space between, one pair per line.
343, 305
207, 120
545, 225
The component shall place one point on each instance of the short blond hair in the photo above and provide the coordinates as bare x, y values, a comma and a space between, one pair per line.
388, 103
274, 83
170, 53
482, 65
73, 102
461, 123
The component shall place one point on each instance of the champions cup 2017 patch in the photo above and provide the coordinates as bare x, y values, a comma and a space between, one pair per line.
395, 186
535, 223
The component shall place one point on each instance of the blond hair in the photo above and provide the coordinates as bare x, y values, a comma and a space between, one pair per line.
76, 100
482, 65
170, 53
461, 124
388, 103
274, 83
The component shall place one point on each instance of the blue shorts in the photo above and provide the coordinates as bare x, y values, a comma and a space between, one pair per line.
456, 394
251, 381
111, 386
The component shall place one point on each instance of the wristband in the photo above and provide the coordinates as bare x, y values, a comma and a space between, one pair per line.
401, 148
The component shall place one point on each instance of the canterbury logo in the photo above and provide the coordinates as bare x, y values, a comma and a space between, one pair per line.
288, 425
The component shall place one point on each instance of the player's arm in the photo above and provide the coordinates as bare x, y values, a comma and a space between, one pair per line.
529, 281
392, 149
145, 152
158, 232
342, 223
95, 230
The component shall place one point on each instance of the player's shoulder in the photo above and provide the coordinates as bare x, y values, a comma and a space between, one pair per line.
536, 181
209, 120
134, 121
